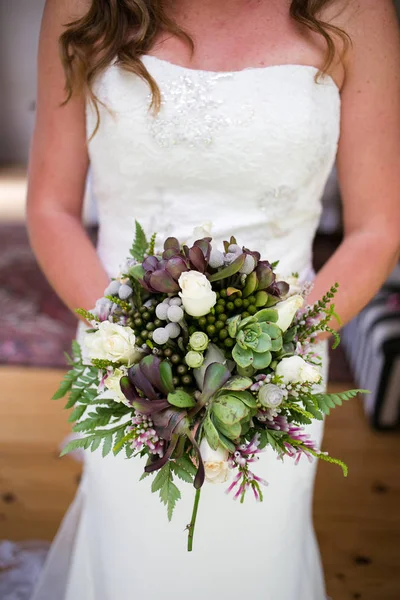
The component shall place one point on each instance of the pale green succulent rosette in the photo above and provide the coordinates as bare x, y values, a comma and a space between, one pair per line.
230, 412
257, 337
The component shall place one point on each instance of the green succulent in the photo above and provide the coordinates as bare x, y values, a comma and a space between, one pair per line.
230, 413
256, 338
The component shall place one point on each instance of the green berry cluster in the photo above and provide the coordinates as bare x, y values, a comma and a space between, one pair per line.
180, 371
144, 322
214, 324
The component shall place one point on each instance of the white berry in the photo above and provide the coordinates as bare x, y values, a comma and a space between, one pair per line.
125, 291
112, 288
175, 314
160, 336
162, 311
216, 259
175, 302
173, 330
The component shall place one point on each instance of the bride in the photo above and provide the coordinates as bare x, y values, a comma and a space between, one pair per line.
195, 111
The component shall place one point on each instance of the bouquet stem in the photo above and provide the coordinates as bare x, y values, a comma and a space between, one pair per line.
192, 523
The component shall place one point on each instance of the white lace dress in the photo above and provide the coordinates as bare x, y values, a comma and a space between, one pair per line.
250, 151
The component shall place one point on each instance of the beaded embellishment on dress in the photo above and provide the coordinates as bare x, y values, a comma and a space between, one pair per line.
190, 113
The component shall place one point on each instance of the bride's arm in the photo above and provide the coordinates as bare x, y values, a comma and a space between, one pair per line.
57, 174
368, 160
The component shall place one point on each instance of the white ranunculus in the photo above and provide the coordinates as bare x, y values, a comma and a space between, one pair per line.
113, 391
216, 464
197, 295
287, 310
270, 396
114, 343
295, 369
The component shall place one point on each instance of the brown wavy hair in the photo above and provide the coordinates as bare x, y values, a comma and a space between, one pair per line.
127, 29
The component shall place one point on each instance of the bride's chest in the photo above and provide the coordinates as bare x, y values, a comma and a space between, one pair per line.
275, 120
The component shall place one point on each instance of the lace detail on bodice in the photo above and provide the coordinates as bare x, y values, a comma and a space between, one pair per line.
250, 151
191, 113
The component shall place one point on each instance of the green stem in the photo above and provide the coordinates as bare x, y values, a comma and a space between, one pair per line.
192, 524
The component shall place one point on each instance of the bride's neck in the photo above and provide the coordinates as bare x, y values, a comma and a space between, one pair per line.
217, 9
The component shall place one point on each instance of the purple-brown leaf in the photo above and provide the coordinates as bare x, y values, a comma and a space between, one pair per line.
161, 281
197, 259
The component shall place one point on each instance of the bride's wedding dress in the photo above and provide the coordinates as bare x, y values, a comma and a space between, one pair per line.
250, 151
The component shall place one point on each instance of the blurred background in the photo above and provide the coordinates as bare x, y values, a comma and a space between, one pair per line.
357, 519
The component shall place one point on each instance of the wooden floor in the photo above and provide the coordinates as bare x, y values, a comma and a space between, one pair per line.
357, 519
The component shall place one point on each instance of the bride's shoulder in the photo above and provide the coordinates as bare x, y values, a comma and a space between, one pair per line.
372, 28
355, 17
68, 9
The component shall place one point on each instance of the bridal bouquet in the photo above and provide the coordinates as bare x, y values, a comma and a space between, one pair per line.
197, 359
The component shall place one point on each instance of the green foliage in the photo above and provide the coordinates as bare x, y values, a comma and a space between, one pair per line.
102, 416
121, 440
137, 293
184, 469
322, 456
94, 440
73, 375
311, 407
100, 363
81, 384
275, 439
325, 307
325, 402
122, 303
84, 389
164, 484
181, 399
86, 315
152, 244
140, 244
299, 414
211, 433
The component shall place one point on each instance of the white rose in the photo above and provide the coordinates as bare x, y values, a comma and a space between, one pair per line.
197, 295
295, 369
200, 232
287, 310
114, 343
216, 464
112, 383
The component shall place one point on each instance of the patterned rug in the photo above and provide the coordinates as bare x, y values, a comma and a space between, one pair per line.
36, 329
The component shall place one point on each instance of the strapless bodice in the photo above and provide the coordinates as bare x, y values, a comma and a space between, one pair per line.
248, 150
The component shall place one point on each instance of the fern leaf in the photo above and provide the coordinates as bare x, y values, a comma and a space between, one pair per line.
120, 440
76, 351
307, 416
75, 444
140, 244
312, 408
95, 444
77, 413
69, 380
161, 478
327, 401
107, 444
181, 472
